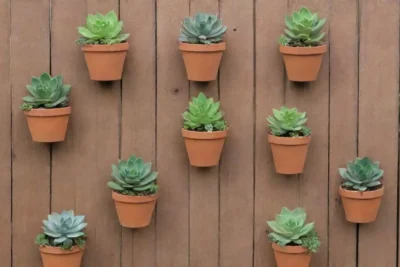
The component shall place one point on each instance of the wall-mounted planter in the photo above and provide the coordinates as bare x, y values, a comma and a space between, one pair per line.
56, 257
48, 125
202, 60
303, 63
134, 211
290, 256
289, 153
105, 62
204, 148
361, 207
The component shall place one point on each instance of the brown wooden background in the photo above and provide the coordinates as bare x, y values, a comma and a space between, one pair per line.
205, 217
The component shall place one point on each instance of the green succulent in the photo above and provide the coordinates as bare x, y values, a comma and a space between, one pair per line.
100, 29
289, 228
362, 174
288, 122
303, 29
63, 230
203, 115
46, 92
202, 29
133, 177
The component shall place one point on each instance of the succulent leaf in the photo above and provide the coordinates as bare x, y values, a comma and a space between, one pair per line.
288, 122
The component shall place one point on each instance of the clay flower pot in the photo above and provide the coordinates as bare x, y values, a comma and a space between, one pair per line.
204, 148
202, 61
302, 63
105, 62
134, 211
361, 207
290, 256
289, 153
48, 125
56, 257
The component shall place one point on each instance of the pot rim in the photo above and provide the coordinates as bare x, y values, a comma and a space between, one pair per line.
202, 48
290, 249
204, 135
59, 251
134, 199
106, 48
289, 141
303, 51
362, 195
48, 112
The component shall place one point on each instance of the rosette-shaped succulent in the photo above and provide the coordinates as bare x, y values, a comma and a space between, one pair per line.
64, 230
362, 174
202, 29
203, 115
133, 177
46, 92
288, 122
101, 29
289, 227
303, 29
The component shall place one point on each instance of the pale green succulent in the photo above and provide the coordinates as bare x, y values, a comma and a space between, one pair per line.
63, 230
303, 29
46, 92
133, 177
289, 228
202, 29
203, 115
100, 29
288, 122
362, 174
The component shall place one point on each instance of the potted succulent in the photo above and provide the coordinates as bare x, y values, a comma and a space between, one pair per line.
302, 46
62, 242
104, 46
202, 45
361, 190
46, 108
134, 191
204, 131
289, 139
293, 241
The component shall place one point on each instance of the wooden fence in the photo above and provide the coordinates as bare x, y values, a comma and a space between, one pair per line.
205, 217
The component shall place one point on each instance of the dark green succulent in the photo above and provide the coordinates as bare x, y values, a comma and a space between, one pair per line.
203, 115
303, 29
288, 122
202, 29
46, 92
361, 175
133, 177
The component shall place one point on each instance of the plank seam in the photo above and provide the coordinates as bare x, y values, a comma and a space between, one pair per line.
398, 172
156, 116
254, 127
329, 140
358, 110
11, 136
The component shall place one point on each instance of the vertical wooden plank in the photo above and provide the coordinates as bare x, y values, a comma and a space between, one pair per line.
81, 164
343, 125
204, 189
29, 56
314, 99
5, 135
378, 123
138, 115
172, 227
272, 191
237, 172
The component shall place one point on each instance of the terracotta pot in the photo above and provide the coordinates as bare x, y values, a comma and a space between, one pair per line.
289, 153
361, 207
105, 62
56, 257
204, 148
291, 256
134, 211
48, 125
302, 63
202, 61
